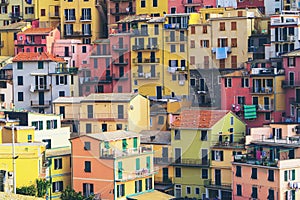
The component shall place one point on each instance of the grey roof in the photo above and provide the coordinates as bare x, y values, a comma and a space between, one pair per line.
135, 18
114, 135
8, 66
14, 26
68, 100
117, 97
155, 137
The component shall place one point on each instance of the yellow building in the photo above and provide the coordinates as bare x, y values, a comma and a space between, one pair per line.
58, 171
161, 142
23, 134
48, 12
153, 8
7, 37
16, 10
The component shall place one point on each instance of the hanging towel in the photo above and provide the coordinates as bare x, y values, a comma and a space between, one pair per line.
221, 53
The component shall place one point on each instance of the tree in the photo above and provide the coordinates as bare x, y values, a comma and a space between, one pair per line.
71, 194
42, 186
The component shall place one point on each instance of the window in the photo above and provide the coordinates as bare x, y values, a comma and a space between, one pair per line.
58, 163
271, 194
231, 121
143, 3
40, 65
177, 134
38, 125
156, 29
19, 65
87, 146
161, 120
254, 192
238, 172
121, 190
87, 166
197, 190
193, 30
43, 12
61, 93
88, 128
267, 116
188, 190
83, 49
291, 61
177, 172
182, 48
174, 77
222, 26
29, 138
204, 135
222, 63
254, 173
238, 190
206, 62
90, 111
138, 186
148, 184
57, 186
271, 175
20, 96
227, 82
154, 4
192, 44
51, 124
204, 43
205, 173
2, 97
88, 189
217, 155
233, 62
192, 60
173, 48
204, 29
20, 80
233, 26
233, 42
245, 82
119, 126
222, 42
289, 175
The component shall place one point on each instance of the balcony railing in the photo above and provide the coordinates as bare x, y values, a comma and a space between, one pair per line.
40, 87
120, 47
214, 184
262, 90
176, 26
148, 75
70, 18
253, 161
144, 172
118, 77
112, 153
162, 160
191, 162
177, 69
290, 84
231, 145
176, 39
40, 104
98, 53
15, 15
149, 47
4, 77
71, 70
86, 18
108, 116
106, 79
54, 15
4, 2
140, 32
294, 101
122, 11
77, 34
163, 180
146, 60
265, 108
28, 43
120, 62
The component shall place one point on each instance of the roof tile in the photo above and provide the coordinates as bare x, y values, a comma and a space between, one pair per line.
36, 56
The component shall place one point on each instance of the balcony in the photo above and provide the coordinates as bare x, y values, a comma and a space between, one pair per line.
230, 145
265, 108
37, 88
146, 60
294, 101
176, 26
265, 71
162, 160
191, 162
163, 180
142, 47
122, 11
120, 62
176, 39
4, 2
40, 104
140, 32
1, 43
64, 70
261, 90
120, 47
149, 75
70, 18
181, 69
106, 79
104, 116
42, 42
253, 161
100, 54
86, 18
120, 78
290, 84
4, 77
112, 153
15, 15
214, 185
144, 172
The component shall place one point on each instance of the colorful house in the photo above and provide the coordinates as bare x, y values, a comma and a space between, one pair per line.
48, 13
126, 167
153, 8
118, 10
270, 168
192, 136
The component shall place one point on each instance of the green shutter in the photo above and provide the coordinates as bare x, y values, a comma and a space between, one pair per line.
250, 111
135, 143
148, 163
124, 144
120, 170
106, 145
55, 124
293, 175
137, 164
285, 175
48, 124
40, 125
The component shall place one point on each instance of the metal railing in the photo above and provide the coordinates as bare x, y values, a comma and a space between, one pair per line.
146, 60
115, 153
15, 14
119, 47
145, 48
262, 90
162, 160
71, 70
176, 39
114, 116
86, 18
286, 84
120, 62
40, 104
191, 162
148, 75
70, 18
163, 180
121, 11
211, 183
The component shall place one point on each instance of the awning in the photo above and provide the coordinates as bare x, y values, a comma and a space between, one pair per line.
250, 111
151, 195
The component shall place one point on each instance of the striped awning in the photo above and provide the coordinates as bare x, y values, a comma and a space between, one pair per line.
250, 111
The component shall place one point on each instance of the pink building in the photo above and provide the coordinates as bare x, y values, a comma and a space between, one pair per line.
291, 85
109, 69
36, 40
270, 169
189, 6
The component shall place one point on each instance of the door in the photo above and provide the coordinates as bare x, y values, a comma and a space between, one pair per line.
255, 100
217, 176
158, 92
41, 98
42, 84
165, 177
165, 154
202, 84
117, 7
140, 57
291, 78
177, 155
152, 57
297, 95
62, 111
120, 112
67, 52
104, 127
152, 70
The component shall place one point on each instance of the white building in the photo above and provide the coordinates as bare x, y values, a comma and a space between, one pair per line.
273, 6
39, 78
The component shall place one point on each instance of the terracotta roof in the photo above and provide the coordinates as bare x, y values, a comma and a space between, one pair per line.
236, 74
192, 119
36, 56
37, 31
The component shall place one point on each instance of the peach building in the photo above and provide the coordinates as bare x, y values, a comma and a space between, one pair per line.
270, 169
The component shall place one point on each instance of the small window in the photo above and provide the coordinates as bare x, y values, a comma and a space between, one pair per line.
177, 172
61, 93
271, 194
40, 65
19, 65
173, 48
29, 138
233, 26
254, 173
192, 44
20, 80
204, 135
228, 82
87, 166
245, 82
222, 26
204, 173
239, 190
58, 163
161, 120
20, 96
204, 29
143, 3
291, 61
88, 128
188, 190
119, 126
177, 134
193, 30
238, 172
197, 190
87, 146
231, 121
43, 12
254, 192
233, 42
271, 175
83, 48
182, 48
